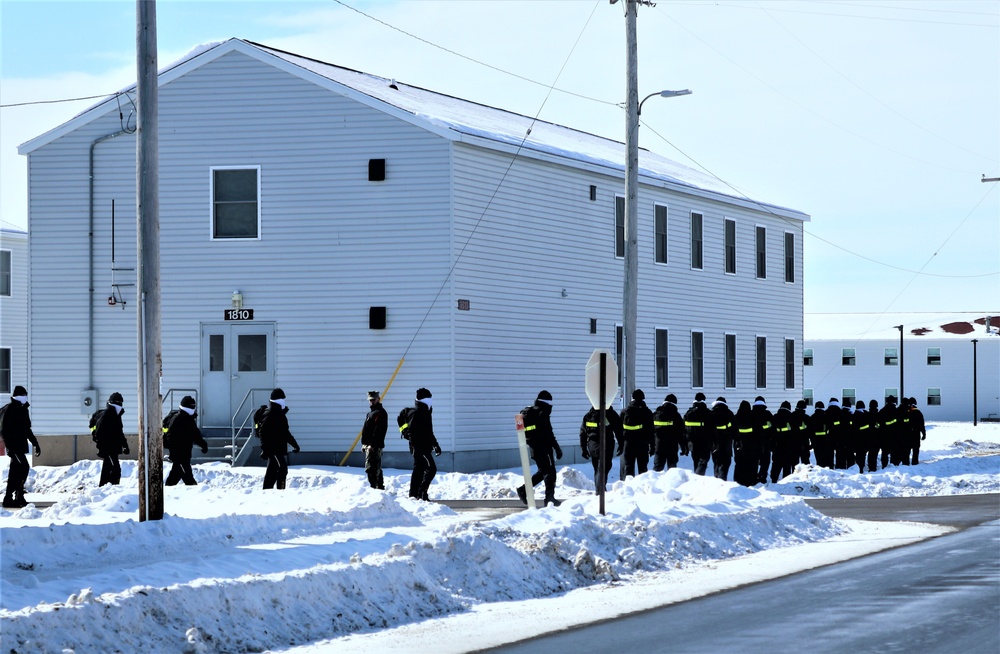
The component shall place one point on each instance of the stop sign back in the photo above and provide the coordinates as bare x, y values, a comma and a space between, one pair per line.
594, 379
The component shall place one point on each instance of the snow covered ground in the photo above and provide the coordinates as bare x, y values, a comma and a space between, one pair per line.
331, 565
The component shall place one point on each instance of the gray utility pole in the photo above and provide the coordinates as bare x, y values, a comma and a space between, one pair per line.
148, 255
630, 301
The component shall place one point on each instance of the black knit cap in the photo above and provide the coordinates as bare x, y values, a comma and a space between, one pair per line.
19, 391
116, 398
786, 405
544, 395
277, 394
423, 394
819, 405
759, 398
699, 397
671, 398
637, 394
801, 404
720, 399
188, 402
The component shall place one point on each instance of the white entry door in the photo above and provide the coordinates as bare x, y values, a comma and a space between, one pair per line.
237, 370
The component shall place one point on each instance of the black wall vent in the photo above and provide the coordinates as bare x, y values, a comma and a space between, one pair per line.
376, 170
376, 317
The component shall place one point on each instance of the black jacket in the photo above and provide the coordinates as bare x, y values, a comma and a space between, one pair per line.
725, 429
700, 425
107, 432
538, 426
376, 423
274, 434
421, 429
16, 428
637, 423
590, 428
182, 434
667, 423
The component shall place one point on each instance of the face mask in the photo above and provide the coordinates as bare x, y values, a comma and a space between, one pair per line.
23, 399
280, 403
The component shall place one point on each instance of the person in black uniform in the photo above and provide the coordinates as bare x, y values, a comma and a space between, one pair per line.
699, 427
746, 447
873, 436
802, 431
837, 426
373, 439
275, 438
916, 431
820, 436
785, 452
889, 427
180, 435
590, 442
763, 431
423, 444
542, 443
637, 436
723, 438
668, 434
17, 434
107, 431
861, 424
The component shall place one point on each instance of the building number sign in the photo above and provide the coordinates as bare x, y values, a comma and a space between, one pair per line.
239, 314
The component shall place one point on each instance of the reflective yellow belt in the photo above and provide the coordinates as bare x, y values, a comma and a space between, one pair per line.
657, 423
529, 427
693, 424
591, 424
632, 427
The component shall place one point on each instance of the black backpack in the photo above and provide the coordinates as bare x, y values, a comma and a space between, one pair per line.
3, 412
258, 419
403, 421
95, 422
167, 422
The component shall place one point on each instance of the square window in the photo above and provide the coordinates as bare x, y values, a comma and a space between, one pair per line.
235, 206
251, 352
934, 356
849, 397
890, 392
807, 395
807, 356
891, 356
847, 357
933, 397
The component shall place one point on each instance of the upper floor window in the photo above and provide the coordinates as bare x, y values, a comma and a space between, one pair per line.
807, 395
696, 241
890, 392
807, 356
849, 396
891, 356
660, 232
789, 257
847, 357
934, 356
730, 245
761, 253
235, 202
620, 226
933, 397
5, 282
662, 360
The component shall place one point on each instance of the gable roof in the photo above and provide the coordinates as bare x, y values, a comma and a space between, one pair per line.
449, 117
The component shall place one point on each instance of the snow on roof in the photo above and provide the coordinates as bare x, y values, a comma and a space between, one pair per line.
455, 118
960, 326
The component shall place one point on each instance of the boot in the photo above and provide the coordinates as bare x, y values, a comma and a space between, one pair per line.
9, 502
19, 499
522, 494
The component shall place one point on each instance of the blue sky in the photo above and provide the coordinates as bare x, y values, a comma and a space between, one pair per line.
876, 118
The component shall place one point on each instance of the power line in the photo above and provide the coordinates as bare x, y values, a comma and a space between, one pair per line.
838, 15
27, 104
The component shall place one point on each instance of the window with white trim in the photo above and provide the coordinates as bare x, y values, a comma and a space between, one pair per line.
619, 227
697, 359
849, 397
789, 363
235, 202
5, 273
807, 356
891, 357
807, 395
934, 356
890, 392
730, 245
697, 262
933, 397
761, 362
5, 387
662, 342
730, 360
761, 243
789, 258
848, 356
660, 232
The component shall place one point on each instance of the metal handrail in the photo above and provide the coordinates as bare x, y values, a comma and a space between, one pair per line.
237, 452
168, 398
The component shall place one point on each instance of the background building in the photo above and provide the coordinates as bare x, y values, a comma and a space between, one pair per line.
320, 227
937, 367
13, 310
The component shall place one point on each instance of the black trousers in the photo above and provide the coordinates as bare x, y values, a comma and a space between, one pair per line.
594, 449
635, 454
665, 453
721, 462
700, 455
111, 470
373, 466
180, 469
545, 461
424, 470
17, 474
277, 471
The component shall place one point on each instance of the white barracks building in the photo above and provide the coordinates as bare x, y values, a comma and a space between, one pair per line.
359, 225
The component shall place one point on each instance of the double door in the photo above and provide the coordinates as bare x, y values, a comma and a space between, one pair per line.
237, 359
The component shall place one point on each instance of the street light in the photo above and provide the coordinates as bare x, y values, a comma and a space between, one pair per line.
663, 94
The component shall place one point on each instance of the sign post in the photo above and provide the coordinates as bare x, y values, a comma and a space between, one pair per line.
522, 444
602, 388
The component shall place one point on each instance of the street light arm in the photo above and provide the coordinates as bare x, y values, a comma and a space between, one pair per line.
663, 94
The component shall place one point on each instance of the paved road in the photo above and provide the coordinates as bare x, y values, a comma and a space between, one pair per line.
938, 596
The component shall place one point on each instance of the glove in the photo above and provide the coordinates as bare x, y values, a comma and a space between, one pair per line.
585, 454
924, 437
204, 449
437, 450
38, 451
296, 450
558, 451
125, 450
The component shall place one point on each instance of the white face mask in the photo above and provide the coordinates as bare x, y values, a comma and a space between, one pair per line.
117, 408
280, 403
188, 410
23, 399
426, 401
